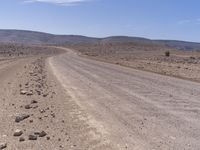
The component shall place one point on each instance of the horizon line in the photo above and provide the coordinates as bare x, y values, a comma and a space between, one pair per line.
101, 37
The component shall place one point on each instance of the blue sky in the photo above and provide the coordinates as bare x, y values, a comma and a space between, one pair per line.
156, 19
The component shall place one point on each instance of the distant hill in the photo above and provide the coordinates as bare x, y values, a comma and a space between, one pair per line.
32, 37
125, 39
182, 45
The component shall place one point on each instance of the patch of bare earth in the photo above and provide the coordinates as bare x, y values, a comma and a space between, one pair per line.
37, 113
182, 64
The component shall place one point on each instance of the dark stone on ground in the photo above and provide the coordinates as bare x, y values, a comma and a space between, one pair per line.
32, 137
21, 118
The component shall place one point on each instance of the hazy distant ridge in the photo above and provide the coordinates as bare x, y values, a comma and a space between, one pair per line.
32, 37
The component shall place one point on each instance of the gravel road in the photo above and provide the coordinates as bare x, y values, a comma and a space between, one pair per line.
36, 113
132, 109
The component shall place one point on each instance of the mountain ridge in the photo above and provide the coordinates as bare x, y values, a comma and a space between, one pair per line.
42, 38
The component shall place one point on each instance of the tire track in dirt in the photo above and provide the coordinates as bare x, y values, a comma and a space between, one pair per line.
139, 110
37, 113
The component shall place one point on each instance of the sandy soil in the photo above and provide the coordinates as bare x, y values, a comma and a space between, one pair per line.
29, 88
135, 110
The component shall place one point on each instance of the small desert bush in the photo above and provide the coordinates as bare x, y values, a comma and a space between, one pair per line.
167, 53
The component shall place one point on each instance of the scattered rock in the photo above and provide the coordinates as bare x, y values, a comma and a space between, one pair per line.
3, 145
34, 107
48, 138
21, 118
21, 139
29, 93
45, 95
23, 92
18, 132
34, 102
53, 115
27, 107
41, 134
61, 146
32, 137
42, 111
38, 92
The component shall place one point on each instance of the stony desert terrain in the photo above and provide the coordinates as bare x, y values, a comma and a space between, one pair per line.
148, 57
133, 109
105, 96
36, 111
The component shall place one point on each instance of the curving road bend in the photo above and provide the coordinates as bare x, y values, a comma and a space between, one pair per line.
136, 110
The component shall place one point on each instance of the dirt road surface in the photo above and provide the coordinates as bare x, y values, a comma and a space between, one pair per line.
132, 109
36, 113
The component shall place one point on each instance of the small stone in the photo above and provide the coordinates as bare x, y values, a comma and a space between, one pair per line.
48, 138
32, 137
21, 118
3, 145
38, 92
41, 134
53, 115
31, 121
27, 107
23, 92
42, 111
34, 102
18, 132
45, 95
29, 93
34, 107
21, 139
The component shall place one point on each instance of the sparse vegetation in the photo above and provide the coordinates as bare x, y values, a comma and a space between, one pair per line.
167, 53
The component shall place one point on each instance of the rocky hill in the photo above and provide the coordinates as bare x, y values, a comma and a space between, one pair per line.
32, 37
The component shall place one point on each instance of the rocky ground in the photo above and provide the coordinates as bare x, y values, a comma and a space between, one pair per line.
138, 110
182, 64
37, 113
